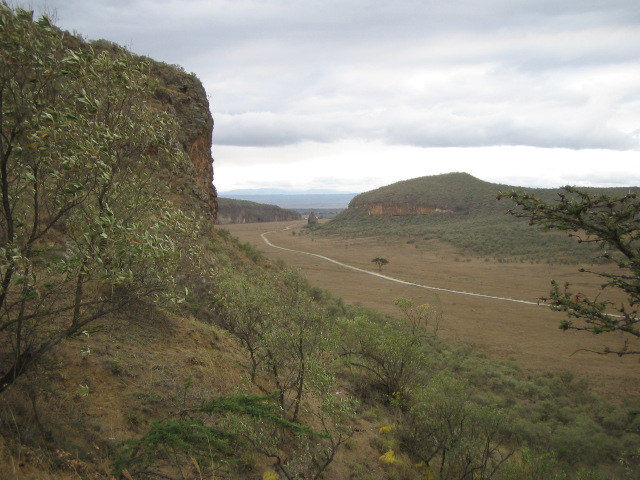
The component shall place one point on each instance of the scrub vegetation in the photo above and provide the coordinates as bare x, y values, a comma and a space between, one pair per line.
470, 219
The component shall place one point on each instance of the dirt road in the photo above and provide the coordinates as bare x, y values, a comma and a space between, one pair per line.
522, 330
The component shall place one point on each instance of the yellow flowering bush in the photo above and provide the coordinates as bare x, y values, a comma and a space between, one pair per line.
389, 457
387, 428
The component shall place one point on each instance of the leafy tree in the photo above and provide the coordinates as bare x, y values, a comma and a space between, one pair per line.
290, 345
380, 262
391, 353
418, 316
612, 223
284, 331
301, 345
454, 436
85, 228
246, 308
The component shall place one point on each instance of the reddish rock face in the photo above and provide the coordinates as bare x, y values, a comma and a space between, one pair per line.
184, 96
199, 152
399, 209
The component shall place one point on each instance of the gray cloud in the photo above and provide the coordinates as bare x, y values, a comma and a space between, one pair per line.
541, 73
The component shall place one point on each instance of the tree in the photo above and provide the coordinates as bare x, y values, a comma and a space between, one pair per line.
392, 354
380, 262
612, 223
286, 334
418, 316
291, 345
85, 227
454, 436
246, 308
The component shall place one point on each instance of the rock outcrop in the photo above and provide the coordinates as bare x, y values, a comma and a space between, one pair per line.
399, 209
184, 95
242, 211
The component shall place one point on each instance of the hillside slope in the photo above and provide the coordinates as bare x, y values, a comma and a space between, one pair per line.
458, 193
462, 210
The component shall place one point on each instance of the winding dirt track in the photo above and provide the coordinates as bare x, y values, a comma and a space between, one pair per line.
391, 279
490, 306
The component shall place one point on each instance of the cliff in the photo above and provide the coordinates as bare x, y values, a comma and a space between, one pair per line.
184, 96
87, 168
399, 209
242, 211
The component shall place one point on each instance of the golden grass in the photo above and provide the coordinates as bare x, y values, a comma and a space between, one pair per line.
527, 333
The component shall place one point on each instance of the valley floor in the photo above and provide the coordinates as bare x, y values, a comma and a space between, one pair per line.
527, 333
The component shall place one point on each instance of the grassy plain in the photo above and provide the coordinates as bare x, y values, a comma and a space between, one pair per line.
527, 334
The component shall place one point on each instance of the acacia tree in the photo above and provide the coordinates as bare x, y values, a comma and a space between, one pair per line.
84, 227
380, 262
612, 223
202, 436
307, 454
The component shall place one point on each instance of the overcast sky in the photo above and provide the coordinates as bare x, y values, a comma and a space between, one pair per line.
357, 94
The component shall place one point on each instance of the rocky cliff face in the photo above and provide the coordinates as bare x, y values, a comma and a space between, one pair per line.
241, 211
398, 209
184, 96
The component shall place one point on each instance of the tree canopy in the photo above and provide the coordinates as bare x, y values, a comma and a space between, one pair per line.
380, 262
85, 227
612, 223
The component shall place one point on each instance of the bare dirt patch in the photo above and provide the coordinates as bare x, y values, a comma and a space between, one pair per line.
528, 334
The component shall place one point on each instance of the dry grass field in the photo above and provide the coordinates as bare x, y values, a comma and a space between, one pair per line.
528, 334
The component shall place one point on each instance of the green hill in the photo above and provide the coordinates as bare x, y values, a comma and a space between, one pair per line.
459, 192
463, 211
